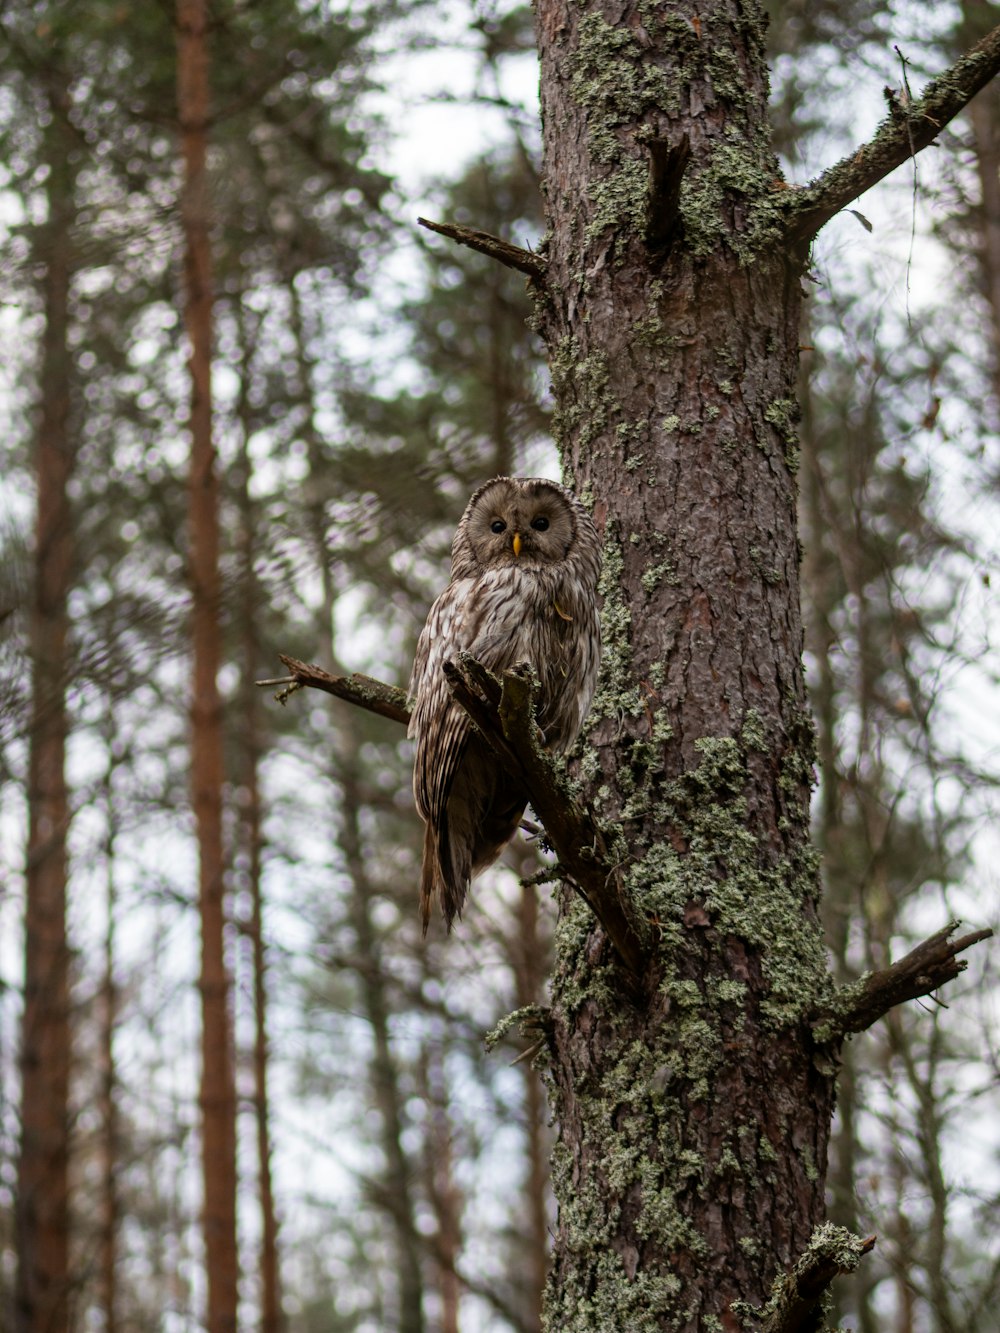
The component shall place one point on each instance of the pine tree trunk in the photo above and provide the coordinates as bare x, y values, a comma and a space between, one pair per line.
252, 838
109, 1149
217, 1094
530, 972
442, 1188
984, 118
43, 1186
693, 1123
397, 1186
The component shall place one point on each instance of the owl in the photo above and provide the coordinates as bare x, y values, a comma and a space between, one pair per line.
524, 567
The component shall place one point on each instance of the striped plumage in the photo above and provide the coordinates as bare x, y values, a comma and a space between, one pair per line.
524, 569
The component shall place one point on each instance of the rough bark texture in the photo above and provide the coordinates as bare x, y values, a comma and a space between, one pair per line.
692, 1126
42, 1186
217, 1095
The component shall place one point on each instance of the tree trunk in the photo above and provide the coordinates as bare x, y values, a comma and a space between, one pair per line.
692, 1124
396, 1185
109, 1147
983, 118
530, 971
43, 1189
822, 587
252, 838
217, 1094
442, 1188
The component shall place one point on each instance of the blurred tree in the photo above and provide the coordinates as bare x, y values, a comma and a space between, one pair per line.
217, 1096
44, 1287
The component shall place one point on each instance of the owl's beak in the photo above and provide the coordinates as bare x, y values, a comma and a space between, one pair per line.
516, 543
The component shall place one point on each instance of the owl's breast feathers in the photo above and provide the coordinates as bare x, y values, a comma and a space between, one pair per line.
541, 614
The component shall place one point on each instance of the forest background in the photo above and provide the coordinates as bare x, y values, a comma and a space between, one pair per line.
391, 1174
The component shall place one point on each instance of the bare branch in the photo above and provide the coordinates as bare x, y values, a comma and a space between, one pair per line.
365, 691
666, 170
507, 723
905, 131
796, 1296
923, 970
525, 261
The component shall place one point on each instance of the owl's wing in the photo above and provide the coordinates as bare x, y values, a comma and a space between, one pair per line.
438, 724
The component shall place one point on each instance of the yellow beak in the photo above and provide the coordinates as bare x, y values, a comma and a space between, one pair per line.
517, 544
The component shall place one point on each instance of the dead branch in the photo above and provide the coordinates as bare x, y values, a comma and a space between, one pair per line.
925, 968
503, 712
666, 170
364, 691
525, 261
796, 1296
905, 131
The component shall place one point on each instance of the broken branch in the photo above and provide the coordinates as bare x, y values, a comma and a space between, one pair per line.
525, 261
904, 132
795, 1297
666, 170
508, 724
925, 968
365, 691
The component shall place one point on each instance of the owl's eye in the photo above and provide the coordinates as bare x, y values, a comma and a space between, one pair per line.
540, 524
498, 525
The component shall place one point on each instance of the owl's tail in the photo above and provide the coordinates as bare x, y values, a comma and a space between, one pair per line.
445, 872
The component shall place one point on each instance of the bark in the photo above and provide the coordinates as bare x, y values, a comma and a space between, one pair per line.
217, 1097
693, 1126
43, 1284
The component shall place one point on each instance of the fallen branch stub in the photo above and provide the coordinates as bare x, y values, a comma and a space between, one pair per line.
795, 1300
364, 691
512, 256
503, 711
666, 170
925, 968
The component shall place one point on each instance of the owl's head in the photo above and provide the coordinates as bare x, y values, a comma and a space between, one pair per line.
516, 519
